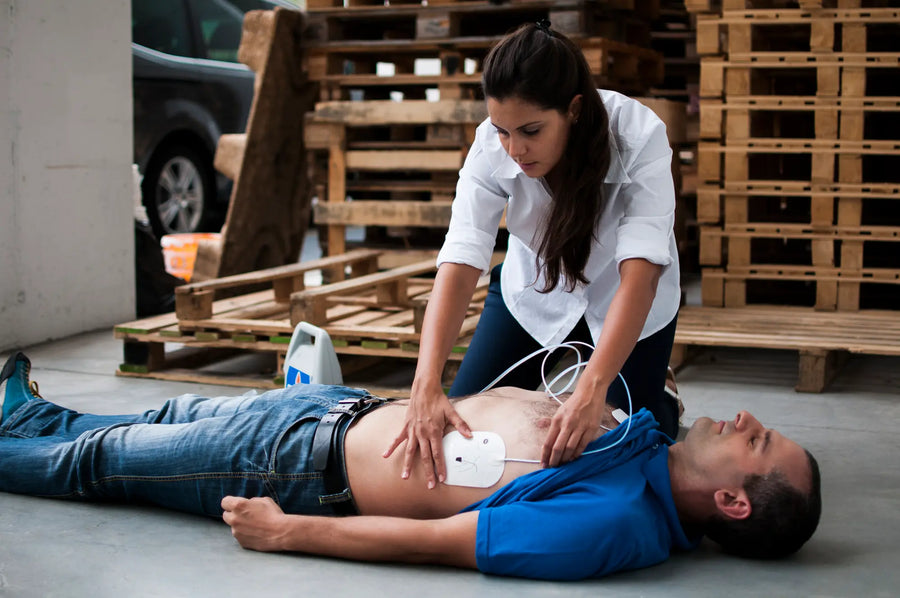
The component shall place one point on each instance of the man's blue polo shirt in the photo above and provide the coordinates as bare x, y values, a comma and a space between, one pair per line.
602, 513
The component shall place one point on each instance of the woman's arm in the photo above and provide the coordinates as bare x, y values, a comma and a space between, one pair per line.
576, 423
429, 409
260, 524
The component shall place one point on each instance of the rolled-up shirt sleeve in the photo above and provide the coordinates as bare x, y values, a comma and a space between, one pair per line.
647, 225
476, 211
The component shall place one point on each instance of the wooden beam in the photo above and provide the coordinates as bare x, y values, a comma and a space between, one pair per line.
384, 213
403, 160
386, 112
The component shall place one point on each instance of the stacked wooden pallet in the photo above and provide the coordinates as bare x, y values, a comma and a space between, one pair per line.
798, 186
369, 147
673, 35
371, 315
797, 169
373, 48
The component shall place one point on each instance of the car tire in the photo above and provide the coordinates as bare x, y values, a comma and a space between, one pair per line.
179, 190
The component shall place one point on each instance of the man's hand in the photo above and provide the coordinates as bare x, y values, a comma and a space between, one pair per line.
256, 523
426, 416
574, 425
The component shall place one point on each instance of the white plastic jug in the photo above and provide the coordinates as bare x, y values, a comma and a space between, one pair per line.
311, 358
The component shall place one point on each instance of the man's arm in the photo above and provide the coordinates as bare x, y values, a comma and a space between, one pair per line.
260, 524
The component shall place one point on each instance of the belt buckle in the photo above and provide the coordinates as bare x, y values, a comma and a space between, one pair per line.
348, 406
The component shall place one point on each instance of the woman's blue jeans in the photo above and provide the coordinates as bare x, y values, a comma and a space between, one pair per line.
500, 341
186, 455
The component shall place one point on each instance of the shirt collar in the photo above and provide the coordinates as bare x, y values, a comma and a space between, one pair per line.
509, 170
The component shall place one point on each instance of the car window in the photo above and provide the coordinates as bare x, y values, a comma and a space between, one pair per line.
161, 25
220, 25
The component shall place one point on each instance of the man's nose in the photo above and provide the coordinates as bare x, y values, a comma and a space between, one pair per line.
746, 421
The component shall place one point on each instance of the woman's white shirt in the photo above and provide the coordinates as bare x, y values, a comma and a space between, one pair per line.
637, 222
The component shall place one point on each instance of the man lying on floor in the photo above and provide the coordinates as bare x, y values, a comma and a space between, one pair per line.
277, 463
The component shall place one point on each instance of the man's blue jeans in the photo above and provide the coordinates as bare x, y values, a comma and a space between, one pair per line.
186, 455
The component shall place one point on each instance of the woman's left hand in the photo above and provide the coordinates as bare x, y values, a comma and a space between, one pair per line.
575, 424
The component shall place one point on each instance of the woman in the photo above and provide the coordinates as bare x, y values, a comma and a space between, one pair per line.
585, 178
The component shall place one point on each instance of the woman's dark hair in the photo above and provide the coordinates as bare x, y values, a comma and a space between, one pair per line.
542, 67
782, 518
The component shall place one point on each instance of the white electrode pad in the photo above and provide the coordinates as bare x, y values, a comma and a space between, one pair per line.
476, 462
619, 415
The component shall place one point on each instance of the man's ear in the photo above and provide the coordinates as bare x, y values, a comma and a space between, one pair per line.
733, 505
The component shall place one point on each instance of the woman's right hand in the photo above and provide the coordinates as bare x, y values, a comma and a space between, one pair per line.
429, 411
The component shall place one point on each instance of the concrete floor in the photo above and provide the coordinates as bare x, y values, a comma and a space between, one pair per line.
54, 548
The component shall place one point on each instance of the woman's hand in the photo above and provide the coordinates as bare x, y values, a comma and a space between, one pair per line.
256, 523
426, 416
575, 424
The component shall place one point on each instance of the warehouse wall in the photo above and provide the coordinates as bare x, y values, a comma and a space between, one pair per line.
66, 232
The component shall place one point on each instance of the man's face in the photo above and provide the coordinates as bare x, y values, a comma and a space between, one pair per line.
534, 138
725, 452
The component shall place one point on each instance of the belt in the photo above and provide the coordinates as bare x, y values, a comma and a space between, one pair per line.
328, 451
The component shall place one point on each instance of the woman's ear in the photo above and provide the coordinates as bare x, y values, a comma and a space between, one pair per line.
733, 505
575, 108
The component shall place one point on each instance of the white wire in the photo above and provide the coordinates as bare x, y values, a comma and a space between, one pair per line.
575, 368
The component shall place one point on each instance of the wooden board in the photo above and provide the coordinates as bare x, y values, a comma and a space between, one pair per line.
270, 201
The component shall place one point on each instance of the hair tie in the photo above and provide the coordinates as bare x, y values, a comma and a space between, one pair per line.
544, 25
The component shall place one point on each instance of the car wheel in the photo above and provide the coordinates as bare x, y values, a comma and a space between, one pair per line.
179, 190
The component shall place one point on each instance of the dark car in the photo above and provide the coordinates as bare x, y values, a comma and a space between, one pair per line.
188, 90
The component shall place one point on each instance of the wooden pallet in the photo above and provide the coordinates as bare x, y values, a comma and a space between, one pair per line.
812, 198
822, 339
345, 65
809, 115
726, 6
808, 72
797, 159
826, 288
575, 18
405, 176
372, 316
643, 7
796, 30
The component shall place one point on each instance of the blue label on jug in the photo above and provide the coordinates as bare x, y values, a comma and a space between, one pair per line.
295, 376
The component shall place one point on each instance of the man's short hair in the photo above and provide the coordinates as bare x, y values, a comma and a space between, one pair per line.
782, 518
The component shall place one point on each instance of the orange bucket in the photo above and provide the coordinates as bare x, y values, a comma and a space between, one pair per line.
180, 252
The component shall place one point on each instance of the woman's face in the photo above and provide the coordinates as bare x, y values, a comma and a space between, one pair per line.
535, 138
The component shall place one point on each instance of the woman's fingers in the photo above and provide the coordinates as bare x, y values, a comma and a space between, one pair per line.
396, 442
424, 434
459, 423
565, 441
549, 443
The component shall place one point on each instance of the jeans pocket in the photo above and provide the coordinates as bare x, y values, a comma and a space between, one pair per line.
295, 484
